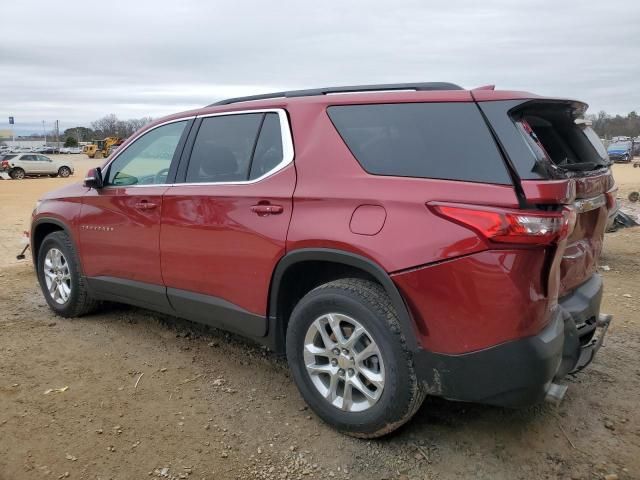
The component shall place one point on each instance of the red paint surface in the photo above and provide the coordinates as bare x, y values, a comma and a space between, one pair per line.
368, 219
477, 301
212, 242
131, 249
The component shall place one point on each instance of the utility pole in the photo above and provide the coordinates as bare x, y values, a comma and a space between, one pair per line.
13, 133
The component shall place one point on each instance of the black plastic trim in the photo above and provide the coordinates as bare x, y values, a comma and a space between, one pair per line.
51, 220
181, 171
508, 162
192, 306
276, 323
515, 373
423, 86
216, 312
132, 292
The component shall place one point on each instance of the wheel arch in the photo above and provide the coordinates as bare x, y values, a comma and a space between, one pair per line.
40, 229
350, 264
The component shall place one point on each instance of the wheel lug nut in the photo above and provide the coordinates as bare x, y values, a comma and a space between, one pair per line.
336, 351
334, 362
341, 371
345, 351
351, 372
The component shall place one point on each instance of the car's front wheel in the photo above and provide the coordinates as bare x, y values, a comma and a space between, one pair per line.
349, 359
64, 172
60, 278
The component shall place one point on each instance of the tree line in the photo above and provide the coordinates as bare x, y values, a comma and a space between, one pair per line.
608, 126
107, 126
605, 125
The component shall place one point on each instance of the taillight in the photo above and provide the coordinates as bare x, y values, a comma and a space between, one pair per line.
5, 164
511, 226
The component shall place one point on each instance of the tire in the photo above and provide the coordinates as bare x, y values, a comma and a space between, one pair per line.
64, 172
79, 302
367, 304
17, 174
626, 158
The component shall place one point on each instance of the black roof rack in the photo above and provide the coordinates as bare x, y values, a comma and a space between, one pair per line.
354, 88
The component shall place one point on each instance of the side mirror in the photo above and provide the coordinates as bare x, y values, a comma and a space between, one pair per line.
93, 178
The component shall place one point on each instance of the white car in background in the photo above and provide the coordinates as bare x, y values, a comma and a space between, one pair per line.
71, 150
18, 166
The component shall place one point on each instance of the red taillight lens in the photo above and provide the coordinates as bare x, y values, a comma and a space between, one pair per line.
511, 226
5, 164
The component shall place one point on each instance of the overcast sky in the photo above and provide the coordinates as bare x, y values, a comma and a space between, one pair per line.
79, 60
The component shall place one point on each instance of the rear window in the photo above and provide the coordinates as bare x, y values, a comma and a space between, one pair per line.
557, 134
426, 140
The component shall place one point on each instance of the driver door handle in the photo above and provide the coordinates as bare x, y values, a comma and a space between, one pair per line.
145, 205
263, 209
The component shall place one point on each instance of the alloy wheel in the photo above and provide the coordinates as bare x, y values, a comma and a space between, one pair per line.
57, 276
344, 362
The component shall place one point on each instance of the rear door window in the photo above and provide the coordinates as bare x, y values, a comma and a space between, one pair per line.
236, 148
426, 140
268, 153
223, 148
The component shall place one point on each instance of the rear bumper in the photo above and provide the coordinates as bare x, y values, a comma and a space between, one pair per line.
518, 373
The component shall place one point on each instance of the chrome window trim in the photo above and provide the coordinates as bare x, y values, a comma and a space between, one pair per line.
285, 135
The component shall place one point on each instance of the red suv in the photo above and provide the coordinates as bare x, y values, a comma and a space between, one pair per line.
393, 240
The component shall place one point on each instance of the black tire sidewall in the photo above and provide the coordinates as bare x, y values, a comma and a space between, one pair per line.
396, 394
61, 241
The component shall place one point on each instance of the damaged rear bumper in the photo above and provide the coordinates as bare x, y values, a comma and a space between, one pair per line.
522, 372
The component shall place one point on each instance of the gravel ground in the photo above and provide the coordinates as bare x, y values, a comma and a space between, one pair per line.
129, 394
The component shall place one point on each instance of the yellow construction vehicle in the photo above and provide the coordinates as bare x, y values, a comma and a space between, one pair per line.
102, 148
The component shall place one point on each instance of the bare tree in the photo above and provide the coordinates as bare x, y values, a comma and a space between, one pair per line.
111, 126
106, 126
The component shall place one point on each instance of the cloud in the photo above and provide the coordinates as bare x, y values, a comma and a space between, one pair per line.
80, 60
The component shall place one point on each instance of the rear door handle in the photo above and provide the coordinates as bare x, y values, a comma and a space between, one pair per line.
145, 205
267, 209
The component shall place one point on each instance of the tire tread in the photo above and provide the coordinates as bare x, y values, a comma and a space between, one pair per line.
374, 294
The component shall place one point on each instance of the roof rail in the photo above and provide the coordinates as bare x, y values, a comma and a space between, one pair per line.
350, 89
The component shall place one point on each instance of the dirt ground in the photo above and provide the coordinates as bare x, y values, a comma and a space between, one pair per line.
145, 396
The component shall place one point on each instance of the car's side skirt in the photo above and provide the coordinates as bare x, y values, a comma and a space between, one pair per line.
192, 306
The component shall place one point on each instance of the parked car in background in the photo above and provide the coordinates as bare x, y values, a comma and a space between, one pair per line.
19, 166
73, 150
620, 152
415, 239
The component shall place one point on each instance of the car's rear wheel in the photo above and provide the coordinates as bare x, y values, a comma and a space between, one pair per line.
17, 173
60, 277
349, 359
64, 172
